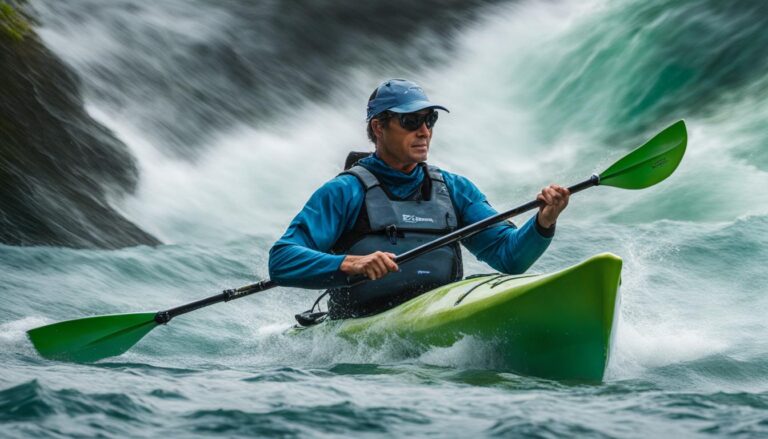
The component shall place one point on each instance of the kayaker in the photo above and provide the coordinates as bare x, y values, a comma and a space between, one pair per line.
391, 201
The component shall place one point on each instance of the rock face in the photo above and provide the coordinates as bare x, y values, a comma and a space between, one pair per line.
58, 166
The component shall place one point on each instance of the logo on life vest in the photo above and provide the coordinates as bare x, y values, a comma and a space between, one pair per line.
413, 219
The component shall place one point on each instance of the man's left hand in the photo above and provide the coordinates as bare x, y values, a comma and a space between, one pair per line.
555, 199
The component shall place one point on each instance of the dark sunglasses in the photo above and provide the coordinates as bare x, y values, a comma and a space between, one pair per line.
413, 121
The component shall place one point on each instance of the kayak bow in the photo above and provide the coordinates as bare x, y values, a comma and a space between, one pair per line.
556, 325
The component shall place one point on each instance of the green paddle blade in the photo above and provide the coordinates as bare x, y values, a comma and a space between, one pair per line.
91, 338
650, 163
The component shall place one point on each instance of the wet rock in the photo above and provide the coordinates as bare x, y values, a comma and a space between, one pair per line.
58, 167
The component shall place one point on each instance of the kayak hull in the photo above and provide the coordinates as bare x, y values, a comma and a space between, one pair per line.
556, 325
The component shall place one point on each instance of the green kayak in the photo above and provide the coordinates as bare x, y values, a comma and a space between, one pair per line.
556, 325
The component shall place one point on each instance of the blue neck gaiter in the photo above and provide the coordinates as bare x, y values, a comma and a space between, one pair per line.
398, 183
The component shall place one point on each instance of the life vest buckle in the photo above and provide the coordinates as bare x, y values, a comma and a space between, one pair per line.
391, 231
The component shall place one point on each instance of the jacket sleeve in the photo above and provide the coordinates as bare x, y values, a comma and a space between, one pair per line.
301, 258
504, 247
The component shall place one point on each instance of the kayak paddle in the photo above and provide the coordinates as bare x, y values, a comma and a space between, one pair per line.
94, 338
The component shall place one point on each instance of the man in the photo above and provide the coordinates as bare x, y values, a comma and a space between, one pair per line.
391, 202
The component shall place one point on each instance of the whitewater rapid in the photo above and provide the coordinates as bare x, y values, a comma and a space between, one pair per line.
538, 93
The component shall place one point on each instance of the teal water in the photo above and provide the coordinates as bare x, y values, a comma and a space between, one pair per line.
538, 92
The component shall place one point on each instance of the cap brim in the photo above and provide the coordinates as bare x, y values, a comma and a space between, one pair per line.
410, 107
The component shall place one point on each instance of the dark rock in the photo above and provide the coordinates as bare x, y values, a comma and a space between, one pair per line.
57, 165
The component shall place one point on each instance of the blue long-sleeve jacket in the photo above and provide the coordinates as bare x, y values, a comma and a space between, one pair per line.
301, 257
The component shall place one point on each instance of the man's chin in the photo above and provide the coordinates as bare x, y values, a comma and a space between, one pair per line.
419, 156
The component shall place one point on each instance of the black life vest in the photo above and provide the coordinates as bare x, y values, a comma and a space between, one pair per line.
388, 224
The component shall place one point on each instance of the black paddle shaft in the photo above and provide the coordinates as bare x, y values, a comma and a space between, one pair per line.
225, 296
466, 232
457, 235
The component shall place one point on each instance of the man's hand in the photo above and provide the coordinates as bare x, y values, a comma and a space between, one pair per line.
375, 266
555, 199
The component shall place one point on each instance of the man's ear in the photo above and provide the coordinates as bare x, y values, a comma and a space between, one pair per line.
378, 128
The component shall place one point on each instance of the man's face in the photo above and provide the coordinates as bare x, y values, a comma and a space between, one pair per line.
406, 148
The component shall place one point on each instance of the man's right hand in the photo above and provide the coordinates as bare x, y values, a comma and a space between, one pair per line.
374, 266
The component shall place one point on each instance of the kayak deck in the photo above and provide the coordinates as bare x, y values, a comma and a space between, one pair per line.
556, 325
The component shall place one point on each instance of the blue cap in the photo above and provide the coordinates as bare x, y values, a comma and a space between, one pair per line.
399, 96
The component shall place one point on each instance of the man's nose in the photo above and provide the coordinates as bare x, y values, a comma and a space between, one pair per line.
423, 130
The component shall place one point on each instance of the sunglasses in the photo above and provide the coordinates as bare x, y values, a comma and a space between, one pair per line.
413, 121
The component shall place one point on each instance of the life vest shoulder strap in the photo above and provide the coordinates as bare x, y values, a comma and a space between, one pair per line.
435, 174
366, 177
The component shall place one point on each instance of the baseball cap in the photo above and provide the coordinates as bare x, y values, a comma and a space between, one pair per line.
399, 96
